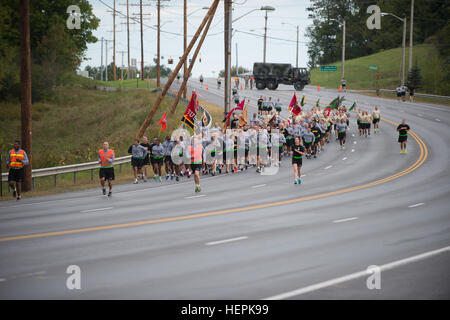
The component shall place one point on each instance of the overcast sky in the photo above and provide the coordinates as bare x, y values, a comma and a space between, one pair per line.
250, 46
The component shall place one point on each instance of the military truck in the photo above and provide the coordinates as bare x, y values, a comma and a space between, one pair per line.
270, 75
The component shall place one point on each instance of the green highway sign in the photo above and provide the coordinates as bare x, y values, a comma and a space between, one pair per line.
328, 68
372, 67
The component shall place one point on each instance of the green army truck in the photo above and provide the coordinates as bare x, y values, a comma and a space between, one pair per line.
270, 75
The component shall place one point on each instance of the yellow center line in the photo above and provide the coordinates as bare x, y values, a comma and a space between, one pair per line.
423, 156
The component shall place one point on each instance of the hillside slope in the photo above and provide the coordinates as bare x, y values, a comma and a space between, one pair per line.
388, 62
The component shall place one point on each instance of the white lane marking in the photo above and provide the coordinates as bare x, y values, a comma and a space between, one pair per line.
259, 186
438, 120
193, 197
356, 275
225, 241
354, 142
303, 175
345, 158
93, 210
416, 205
353, 134
2, 280
326, 168
345, 220
419, 114
353, 150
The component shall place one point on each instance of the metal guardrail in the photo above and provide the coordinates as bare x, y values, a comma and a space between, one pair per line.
73, 168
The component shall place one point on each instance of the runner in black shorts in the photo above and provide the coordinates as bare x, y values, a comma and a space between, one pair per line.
106, 157
403, 129
297, 154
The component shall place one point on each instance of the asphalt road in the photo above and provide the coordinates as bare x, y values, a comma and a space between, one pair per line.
251, 236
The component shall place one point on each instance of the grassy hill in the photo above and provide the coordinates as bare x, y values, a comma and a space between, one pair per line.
359, 76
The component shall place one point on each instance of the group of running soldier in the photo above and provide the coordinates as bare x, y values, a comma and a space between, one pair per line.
261, 141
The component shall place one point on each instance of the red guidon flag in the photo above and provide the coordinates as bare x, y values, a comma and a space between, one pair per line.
240, 106
163, 122
191, 111
294, 107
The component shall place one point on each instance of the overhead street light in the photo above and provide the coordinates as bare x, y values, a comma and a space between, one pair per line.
204, 8
402, 79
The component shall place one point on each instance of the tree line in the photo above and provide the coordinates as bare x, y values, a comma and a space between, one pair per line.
431, 24
56, 51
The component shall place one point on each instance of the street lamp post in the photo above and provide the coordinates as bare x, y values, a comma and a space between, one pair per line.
266, 8
343, 46
228, 41
402, 78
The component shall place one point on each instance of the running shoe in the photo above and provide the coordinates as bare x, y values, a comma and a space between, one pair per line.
295, 181
171, 177
405, 151
159, 179
109, 194
197, 189
401, 151
19, 197
299, 181
135, 181
177, 178
104, 191
155, 178
15, 193
167, 177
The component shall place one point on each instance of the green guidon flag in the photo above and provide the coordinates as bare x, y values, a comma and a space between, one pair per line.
352, 107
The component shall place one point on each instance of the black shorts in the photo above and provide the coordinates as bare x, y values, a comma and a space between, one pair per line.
196, 167
375, 121
146, 161
307, 144
106, 173
158, 160
16, 175
341, 135
328, 128
399, 94
278, 109
299, 162
402, 139
168, 159
136, 162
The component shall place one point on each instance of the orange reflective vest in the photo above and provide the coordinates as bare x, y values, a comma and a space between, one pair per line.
104, 156
16, 158
196, 152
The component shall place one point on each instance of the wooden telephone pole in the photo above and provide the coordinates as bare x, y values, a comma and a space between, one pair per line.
25, 79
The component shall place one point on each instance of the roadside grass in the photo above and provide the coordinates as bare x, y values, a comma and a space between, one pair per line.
388, 62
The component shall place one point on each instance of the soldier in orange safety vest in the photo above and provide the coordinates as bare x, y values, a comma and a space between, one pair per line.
195, 151
17, 159
106, 157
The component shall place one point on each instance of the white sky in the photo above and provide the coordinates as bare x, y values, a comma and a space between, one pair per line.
250, 47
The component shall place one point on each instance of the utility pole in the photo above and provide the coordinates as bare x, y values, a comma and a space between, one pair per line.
128, 39
25, 79
106, 60
237, 67
121, 69
265, 38
101, 63
227, 47
158, 53
114, 41
411, 28
142, 41
403, 50
185, 44
343, 49
296, 59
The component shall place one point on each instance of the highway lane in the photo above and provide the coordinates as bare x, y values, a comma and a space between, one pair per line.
278, 248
